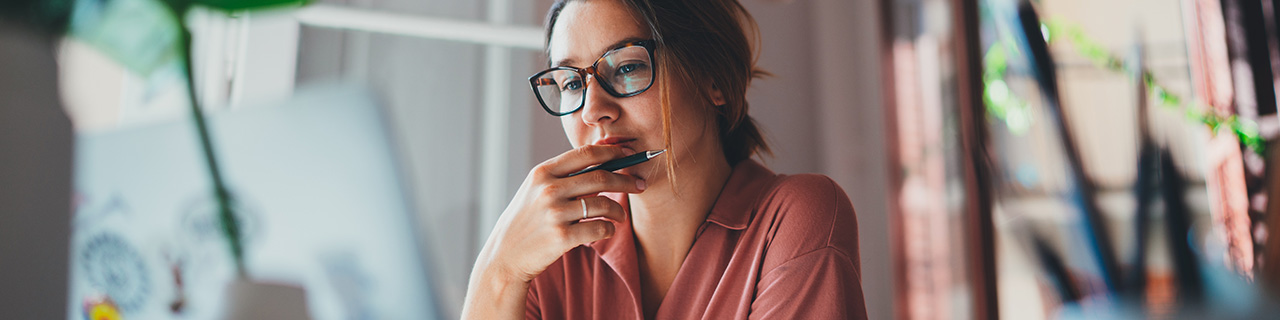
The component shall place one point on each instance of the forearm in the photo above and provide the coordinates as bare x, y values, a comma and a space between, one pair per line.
490, 296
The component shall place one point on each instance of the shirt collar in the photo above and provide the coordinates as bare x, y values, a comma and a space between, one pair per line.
732, 209
619, 251
734, 206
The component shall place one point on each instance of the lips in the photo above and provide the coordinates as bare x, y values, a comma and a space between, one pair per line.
614, 140
625, 142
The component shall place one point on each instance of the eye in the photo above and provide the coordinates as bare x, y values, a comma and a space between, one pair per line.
572, 85
631, 67
568, 81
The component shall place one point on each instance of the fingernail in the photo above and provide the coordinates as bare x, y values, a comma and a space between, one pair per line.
640, 185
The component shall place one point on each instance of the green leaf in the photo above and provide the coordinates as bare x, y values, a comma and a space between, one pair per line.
45, 15
141, 35
242, 5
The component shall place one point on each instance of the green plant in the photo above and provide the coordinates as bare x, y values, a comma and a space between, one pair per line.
143, 36
1006, 106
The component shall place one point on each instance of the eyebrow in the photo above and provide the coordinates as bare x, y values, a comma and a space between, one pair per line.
615, 45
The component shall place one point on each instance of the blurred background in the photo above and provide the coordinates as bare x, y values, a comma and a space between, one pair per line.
452, 76
968, 160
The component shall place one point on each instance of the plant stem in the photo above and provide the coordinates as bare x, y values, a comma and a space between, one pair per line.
230, 226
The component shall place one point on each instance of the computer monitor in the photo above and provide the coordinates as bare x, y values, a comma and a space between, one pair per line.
316, 187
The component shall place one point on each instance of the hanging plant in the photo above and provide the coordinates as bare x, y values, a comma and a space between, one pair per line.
146, 35
1004, 105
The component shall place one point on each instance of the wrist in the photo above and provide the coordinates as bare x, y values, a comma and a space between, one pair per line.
495, 294
498, 276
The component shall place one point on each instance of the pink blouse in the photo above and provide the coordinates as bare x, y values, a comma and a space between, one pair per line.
773, 247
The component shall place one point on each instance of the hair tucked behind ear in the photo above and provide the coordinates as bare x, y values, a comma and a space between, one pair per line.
707, 44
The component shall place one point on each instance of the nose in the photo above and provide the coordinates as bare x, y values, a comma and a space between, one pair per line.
599, 107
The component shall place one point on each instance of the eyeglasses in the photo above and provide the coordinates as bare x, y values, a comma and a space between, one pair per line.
623, 72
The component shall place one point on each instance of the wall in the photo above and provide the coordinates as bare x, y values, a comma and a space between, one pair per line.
823, 112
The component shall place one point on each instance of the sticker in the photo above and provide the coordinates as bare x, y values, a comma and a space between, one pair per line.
101, 308
115, 267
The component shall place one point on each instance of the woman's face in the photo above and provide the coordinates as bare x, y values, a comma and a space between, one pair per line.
583, 32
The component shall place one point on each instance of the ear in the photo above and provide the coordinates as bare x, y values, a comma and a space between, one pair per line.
717, 97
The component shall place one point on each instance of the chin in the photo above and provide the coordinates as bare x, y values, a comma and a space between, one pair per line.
649, 171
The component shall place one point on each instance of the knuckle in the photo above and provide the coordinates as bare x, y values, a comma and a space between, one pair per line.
549, 190
612, 206
605, 205
561, 235
601, 230
553, 215
593, 153
598, 177
541, 170
593, 203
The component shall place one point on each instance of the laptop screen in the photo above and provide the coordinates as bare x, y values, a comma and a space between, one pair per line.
316, 188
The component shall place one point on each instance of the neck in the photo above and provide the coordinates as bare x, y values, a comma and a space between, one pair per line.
665, 217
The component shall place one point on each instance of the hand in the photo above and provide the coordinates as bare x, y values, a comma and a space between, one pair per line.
545, 219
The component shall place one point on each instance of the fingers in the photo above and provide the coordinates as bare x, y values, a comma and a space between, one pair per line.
587, 232
596, 207
598, 181
550, 181
574, 230
588, 184
580, 158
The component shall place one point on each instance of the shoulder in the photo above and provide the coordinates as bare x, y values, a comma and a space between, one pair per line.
806, 213
808, 197
806, 189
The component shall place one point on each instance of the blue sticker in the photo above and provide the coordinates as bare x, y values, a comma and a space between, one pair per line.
115, 267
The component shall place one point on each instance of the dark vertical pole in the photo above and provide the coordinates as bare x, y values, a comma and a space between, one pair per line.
979, 229
893, 147
1096, 231
1255, 48
1270, 272
1135, 284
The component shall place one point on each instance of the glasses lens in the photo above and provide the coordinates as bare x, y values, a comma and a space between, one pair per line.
561, 90
627, 70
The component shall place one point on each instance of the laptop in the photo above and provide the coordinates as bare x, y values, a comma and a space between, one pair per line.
317, 190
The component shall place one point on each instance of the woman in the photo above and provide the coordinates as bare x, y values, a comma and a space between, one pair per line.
703, 231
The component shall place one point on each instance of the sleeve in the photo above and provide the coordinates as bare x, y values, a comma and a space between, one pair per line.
824, 284
531, 308
811, 269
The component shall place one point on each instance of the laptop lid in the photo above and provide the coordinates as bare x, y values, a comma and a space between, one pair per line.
316, 187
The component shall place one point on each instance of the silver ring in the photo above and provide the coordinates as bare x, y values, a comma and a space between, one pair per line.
584, 208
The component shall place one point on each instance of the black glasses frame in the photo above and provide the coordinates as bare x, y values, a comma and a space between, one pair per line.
535, 79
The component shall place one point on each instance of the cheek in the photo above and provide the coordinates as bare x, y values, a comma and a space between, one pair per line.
572, 129
646, 110
690, 119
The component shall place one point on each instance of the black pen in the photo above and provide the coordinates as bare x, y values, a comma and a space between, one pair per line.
618, 164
